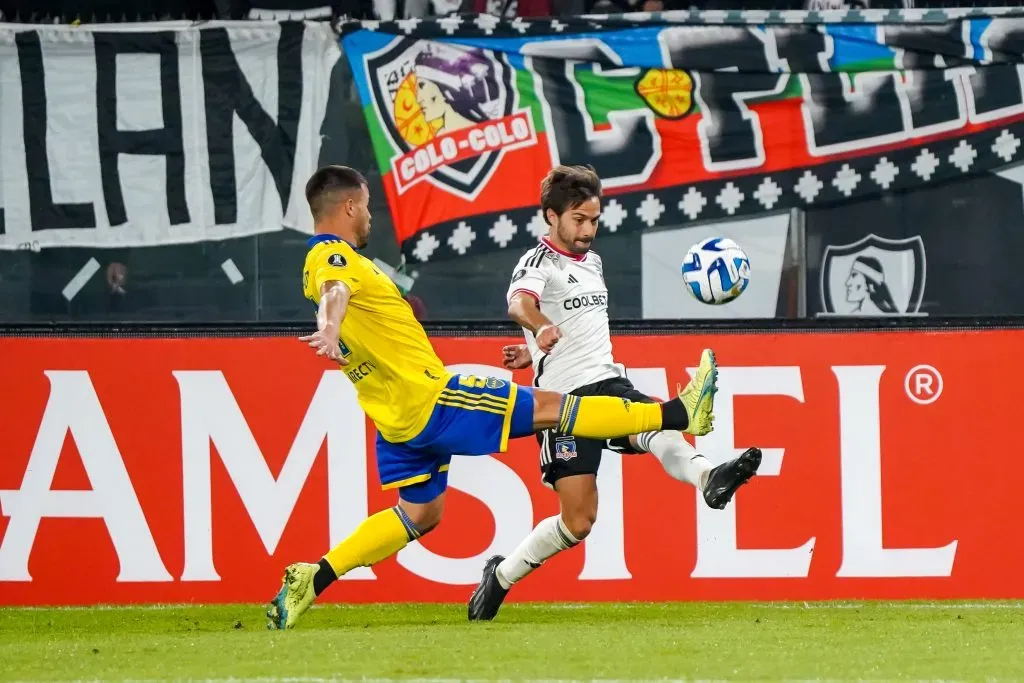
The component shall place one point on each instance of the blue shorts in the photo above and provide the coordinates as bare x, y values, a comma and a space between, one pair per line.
472, 416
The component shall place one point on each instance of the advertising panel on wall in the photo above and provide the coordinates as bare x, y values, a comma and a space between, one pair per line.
194, 469
687, 117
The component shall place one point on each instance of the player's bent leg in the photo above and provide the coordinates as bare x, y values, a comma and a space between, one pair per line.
424, 516
548, 538
724, 480
378, 537
577, 498
680, 460
577, 495
683, 463
605, 417
419, 510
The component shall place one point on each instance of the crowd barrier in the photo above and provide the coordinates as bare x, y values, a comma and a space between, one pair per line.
151, 465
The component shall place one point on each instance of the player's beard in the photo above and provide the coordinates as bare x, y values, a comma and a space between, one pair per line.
569, 241
364, 235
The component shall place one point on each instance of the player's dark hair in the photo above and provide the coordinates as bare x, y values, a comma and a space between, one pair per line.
566, 187
324, 187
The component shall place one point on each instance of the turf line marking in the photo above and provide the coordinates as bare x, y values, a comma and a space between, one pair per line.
552, 606
895, 605
307, 679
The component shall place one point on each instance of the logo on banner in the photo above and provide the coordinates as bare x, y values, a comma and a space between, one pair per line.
668, 92
874, 276
449, 111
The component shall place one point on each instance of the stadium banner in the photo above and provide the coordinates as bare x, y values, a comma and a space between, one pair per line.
177, 470
158, 133
685, 123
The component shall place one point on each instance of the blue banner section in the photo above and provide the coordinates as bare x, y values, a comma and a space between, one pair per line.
858, 40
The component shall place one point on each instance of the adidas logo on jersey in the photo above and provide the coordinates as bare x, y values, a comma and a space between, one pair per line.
573, 280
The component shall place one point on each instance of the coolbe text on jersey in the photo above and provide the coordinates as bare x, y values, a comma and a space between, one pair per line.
572, 294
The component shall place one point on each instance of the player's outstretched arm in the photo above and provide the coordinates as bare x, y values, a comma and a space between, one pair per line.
525, 310
334, 298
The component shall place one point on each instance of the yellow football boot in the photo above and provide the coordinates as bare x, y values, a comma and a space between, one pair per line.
294, 598
699, 396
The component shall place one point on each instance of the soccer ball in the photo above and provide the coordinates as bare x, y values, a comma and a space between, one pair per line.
716, 270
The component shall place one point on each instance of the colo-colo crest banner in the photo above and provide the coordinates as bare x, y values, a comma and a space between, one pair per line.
684, 121
158, 133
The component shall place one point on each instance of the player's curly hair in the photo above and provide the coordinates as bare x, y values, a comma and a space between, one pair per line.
566, 187
324, 186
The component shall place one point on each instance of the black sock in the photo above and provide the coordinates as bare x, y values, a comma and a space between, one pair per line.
673, 415
324, 577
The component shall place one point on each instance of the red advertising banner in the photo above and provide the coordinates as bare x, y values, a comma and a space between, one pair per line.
179, 470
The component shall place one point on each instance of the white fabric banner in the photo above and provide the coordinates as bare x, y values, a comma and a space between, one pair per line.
158, 133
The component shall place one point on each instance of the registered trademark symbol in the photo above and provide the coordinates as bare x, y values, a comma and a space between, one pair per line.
923, 384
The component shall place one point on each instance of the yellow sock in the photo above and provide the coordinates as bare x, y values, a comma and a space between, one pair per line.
377, 538
607, 417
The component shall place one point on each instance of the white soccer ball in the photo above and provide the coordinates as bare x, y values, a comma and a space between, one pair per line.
716, 270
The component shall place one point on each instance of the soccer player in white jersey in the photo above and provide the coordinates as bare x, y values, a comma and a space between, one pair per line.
559, 297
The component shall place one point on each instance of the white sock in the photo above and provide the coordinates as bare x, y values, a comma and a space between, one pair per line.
549, 538
677, 456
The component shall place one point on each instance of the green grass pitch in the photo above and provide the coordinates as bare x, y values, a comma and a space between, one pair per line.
681, 641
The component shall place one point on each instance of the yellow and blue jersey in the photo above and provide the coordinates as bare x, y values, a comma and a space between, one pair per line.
423, 413
396, 373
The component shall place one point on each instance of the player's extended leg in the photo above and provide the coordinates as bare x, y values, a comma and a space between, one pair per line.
604, 417
577, 497
678, 458
378, 537
682, 462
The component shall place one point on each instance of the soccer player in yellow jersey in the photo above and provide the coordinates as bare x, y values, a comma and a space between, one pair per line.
423, 412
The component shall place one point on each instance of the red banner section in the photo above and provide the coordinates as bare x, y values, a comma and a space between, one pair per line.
176, 470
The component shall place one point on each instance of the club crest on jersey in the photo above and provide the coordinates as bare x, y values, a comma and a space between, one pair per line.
565, 448
874, 276
494, 383
336, 260
449, 111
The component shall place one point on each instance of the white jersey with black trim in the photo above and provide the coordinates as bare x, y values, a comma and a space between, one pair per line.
572, 294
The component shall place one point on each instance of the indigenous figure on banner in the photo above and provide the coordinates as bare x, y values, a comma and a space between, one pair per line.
452, 91
874, 276
449, 111
866, 288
